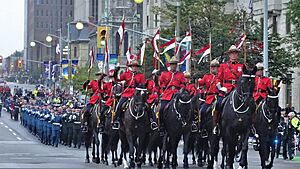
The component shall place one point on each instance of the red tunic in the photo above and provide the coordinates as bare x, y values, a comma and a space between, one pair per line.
170, 83
132, 80
191, 88
96, 91
226, 77
210, 82
261, 85
107, 89
153, 91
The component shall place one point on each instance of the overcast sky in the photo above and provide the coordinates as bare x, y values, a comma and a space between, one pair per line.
12, 26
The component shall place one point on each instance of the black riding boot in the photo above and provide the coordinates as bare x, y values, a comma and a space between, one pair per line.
102, 119
116, 123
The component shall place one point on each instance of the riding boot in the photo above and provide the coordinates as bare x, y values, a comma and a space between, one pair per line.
116, 123
161, 125
216, 117
102, 120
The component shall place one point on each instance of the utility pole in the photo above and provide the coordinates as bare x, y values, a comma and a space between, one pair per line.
266, 59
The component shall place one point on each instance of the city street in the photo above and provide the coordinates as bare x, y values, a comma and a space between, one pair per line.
19, 149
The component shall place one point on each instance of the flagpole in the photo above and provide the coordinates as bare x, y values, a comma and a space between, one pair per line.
210, 46
158, 56
244, 43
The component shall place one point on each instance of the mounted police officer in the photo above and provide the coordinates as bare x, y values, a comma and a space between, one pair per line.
228, 74
170, 83
133, 78
210, 82
262, 83
96, 86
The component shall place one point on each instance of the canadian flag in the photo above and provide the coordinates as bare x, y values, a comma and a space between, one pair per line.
130, 57
240, 43
206, 49
141, 53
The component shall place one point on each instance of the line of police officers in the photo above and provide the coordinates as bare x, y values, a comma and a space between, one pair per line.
53, 124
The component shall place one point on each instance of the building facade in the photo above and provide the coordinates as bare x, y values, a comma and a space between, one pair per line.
41, 18
279, 23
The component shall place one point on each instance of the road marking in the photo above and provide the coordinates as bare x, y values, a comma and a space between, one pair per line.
10, 130
19, 138
6, 126
1, 123
14, 134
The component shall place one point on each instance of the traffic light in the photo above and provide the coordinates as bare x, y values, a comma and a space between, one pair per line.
1, 59
102, 36
20, 63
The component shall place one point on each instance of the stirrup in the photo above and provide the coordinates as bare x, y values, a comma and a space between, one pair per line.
101, 129
203, 133
116, 125
84, 128
154, 125
216, 130
194, 127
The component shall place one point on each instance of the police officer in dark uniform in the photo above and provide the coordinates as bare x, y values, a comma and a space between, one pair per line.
287, 140
76, 126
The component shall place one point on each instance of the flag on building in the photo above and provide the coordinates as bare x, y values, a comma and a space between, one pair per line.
92, 55
57, 49
121, 31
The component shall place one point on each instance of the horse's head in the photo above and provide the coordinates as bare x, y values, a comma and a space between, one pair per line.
272, 103
184, 96
117, 90
140, 97
246, 84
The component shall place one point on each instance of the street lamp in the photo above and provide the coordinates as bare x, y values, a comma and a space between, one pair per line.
48, 38
79, 25
32, 44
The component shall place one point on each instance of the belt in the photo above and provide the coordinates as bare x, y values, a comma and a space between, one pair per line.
173, 87
260, 91
211, 93
57, 124
230, 81
77, 122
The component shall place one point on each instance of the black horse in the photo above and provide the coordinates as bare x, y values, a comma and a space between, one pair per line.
178, 122
266, 123
91, 120
236, 119
137, 125
210, 141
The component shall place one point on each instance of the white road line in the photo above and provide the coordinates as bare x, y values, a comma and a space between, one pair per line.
19, 138
1, 123
14, 134
10, 130
6, 126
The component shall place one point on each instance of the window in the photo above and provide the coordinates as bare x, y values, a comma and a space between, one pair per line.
117, 42
42, 12
274, 24
42, 1
287, 24
38, 2
75, 51
51, 13
41, 24
71, 13
37, 12
147, 21
71, 2
46, 1
46, 12
37, 24
66, 2
156, 20
47, 25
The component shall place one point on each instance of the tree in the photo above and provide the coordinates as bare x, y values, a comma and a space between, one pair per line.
82, 76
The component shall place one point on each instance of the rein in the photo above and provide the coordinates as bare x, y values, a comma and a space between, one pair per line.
131, 111
179, 117
264, 113
237, 109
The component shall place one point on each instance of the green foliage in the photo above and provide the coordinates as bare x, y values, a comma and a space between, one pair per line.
82, 76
